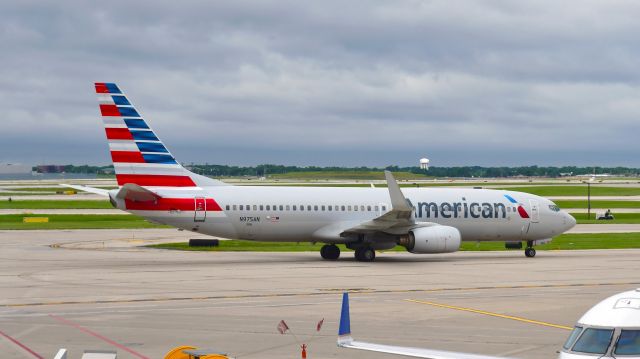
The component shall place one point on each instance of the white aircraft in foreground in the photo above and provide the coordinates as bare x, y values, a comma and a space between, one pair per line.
610, 329
424, 220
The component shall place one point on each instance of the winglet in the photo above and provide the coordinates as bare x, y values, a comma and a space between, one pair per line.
398, 201
344, 331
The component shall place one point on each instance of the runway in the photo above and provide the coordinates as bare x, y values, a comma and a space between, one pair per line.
65, 289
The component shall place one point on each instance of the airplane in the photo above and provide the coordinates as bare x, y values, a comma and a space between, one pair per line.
610, 329
152, 184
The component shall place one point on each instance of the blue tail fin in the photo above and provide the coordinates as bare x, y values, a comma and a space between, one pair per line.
345, 321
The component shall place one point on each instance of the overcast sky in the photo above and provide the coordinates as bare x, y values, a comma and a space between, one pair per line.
328, 82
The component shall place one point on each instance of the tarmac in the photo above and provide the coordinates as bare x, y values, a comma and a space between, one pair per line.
98, 289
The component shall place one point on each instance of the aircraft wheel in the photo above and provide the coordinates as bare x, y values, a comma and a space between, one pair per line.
330, 252
530, 252
365, 254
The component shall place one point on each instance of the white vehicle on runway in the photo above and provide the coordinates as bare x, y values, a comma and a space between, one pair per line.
424, 220
610, 329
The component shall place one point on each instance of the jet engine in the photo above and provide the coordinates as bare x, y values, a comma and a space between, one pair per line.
434, 239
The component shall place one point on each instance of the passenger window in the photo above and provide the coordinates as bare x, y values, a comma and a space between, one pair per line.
261, 207
594, 341
248, 207
355, 208
234, 207
255, 207
268, 208
315, 208
384, 208
308, 207
369, 208
328, 208
349, 208
362, 208
628, 343
322, 208
295, 208
376, 208
302, 208
281, 207
228, 207
286, 207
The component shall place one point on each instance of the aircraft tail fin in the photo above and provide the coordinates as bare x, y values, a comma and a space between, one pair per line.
138, 155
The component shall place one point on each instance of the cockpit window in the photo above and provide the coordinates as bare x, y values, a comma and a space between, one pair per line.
628, 343
572, 337
554, 208
594, 341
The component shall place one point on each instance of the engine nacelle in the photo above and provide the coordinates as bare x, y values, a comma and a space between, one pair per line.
434, 239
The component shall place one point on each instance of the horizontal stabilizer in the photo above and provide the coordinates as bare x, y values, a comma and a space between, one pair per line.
136, 193
98, 191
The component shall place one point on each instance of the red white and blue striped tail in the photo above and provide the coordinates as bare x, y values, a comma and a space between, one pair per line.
138, 155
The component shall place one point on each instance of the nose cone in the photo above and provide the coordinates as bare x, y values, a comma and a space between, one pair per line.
569, 221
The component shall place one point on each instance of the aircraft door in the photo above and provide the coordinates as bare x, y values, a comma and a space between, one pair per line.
535, 211
200, 212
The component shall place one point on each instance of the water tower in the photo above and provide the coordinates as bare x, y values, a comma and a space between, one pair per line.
424, 163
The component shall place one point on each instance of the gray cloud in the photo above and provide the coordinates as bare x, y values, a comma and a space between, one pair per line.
328, 83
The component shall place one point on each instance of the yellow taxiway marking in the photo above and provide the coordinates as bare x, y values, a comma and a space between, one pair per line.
530, 321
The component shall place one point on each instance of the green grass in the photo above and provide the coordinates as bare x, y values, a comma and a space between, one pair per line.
247, 246
565, 241
620, 218
49, 204
76, 221
49, 189
39, 189
598, 204
10, 194
572, 241
577, 190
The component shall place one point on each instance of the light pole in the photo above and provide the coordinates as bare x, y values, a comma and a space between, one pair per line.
589, 199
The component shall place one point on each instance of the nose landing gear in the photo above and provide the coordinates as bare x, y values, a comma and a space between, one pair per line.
530, 251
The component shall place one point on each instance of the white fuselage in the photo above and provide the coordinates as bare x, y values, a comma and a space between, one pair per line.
320, 214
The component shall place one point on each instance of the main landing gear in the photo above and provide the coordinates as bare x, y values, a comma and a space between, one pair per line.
365, 254
530, 251
330, 252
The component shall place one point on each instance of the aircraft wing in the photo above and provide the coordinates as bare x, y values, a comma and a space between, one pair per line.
345, 341
397, 221
413, 352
